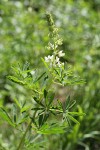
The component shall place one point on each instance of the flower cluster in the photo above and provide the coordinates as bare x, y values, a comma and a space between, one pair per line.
55, 61
55, 41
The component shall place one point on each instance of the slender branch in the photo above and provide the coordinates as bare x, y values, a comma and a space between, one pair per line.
24, 135
23, 138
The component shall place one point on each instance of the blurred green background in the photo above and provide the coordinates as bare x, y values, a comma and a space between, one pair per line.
23, 37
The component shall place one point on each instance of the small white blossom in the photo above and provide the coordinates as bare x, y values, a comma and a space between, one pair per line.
53, 61
46, 59
61, 54
52, 58
60, 64
49, 58
57, 59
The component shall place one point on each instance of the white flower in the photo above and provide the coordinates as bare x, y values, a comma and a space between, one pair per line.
49, 58
46, 59
60, 64
52, 58
53, 61
57, 59
61, 54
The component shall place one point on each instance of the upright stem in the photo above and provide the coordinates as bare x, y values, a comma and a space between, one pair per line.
23, 138
24, 135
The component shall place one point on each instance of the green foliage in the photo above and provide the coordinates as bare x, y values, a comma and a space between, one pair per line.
44, 97
23, 37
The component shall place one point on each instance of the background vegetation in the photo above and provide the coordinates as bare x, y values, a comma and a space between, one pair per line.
23, 38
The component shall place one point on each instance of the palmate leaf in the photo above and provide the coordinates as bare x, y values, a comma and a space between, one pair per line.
42, 119
6, 117
68, 104
54, 128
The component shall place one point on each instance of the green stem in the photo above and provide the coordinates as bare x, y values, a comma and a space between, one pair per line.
23, 138
24, 135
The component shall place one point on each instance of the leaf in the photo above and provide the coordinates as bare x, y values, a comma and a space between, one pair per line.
40, 77
18, 104
37, 101
80, 111
67, 103
35, 108
15, 118
43, 118
73, 119
54, 128
45, 93
51, 96
36, 145
16, 80
25, 108
6, 117
72, 103
16, 70
40, 120
56, 71
22, 118
68, 120
76, 113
